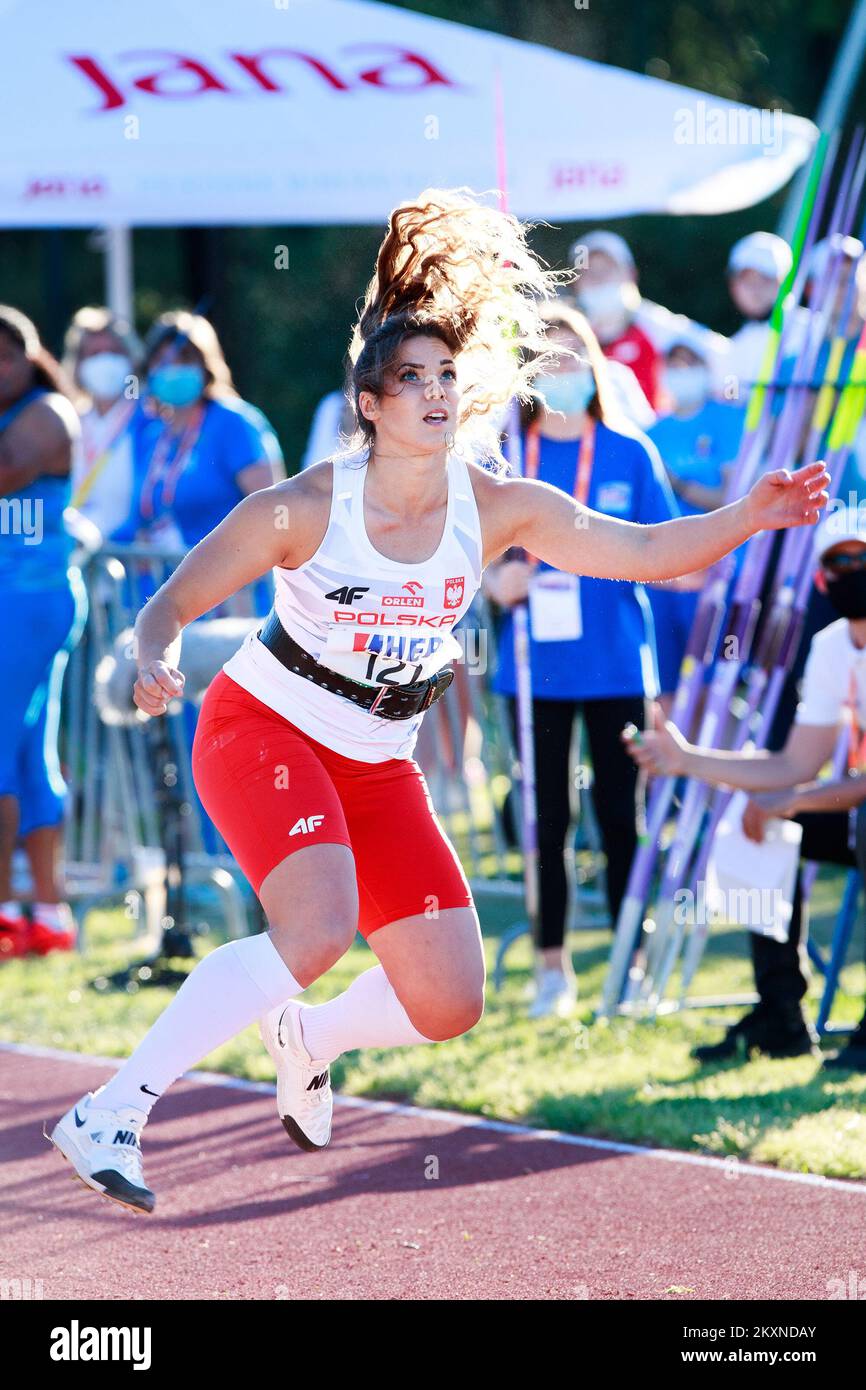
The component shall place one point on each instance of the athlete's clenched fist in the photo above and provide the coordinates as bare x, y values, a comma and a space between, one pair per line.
155, 685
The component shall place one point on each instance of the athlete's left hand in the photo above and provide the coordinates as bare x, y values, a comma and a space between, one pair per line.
782, 499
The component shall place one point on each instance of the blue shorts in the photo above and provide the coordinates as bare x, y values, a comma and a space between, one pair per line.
38, 630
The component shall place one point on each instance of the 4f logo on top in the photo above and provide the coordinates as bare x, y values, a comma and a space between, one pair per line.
347, 594
304, 825
454, 592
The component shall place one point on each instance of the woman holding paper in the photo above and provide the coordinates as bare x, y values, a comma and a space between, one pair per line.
592, 643
783, 784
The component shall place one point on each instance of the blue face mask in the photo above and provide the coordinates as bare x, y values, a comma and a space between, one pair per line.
177, 383
569, 392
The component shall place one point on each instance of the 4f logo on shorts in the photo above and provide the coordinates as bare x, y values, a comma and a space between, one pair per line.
454, 592
305, 824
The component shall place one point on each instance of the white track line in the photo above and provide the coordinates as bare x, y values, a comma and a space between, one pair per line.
455, 1119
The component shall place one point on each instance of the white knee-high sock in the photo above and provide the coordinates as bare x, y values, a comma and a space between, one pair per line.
227, 991
367, 1014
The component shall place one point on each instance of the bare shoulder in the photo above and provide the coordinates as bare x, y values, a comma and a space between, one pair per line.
299, 506
50, 420
501, 499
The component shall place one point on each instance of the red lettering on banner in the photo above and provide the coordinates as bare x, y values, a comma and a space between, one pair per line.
113, 95
206, 82
63, 188
431, 75
197, 77
251, 63
587, 175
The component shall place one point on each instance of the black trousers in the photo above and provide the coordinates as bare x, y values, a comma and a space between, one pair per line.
613, 796
782, 967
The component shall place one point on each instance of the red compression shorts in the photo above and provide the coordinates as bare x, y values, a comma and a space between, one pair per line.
259, 777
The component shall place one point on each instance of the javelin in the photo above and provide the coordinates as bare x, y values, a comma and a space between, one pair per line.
711, 605
746, 607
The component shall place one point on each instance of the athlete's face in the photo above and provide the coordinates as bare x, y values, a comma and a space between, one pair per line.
418, 408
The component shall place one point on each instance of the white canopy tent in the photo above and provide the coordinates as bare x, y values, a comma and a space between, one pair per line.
233, 112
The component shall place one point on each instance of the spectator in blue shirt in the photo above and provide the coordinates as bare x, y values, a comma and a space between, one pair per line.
198, 453
591, 647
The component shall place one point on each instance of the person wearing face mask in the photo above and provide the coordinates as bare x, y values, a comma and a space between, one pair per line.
698, 439
100, 356
607, 293
198, 450
783, 784
591, 640
757, 266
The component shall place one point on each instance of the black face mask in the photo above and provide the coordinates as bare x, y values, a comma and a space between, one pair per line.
847, 593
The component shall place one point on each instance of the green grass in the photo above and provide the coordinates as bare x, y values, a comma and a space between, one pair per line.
621, 1079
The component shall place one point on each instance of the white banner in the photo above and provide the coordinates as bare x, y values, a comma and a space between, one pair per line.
331, 111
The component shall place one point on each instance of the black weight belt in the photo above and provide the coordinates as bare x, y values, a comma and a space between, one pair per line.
386, 701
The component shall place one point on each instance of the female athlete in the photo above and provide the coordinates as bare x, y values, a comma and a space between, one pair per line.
302, 755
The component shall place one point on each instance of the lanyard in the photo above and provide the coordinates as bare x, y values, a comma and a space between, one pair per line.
166, 465
96, 458
583, 467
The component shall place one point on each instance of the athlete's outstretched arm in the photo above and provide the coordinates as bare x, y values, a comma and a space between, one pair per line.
263, 530
571, 537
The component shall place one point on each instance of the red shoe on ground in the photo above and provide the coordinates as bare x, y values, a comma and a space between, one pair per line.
14, 937
45, 938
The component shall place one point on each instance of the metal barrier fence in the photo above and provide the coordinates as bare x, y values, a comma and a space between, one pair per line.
133, 812
129, 778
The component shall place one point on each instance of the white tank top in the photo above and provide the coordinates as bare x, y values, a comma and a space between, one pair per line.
368, 617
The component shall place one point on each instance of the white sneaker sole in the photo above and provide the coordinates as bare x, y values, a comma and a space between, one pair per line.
281, 1057
65, 1145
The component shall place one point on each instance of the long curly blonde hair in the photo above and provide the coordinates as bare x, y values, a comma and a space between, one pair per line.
454, 268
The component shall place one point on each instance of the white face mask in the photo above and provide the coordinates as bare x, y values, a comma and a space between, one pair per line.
609, 307
689, 386
104, 374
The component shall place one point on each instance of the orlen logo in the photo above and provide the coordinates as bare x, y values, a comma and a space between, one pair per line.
409, 600
179, 76
454, 592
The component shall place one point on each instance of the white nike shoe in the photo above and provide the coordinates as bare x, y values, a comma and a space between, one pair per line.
555, 996
104, 1148
305, 1100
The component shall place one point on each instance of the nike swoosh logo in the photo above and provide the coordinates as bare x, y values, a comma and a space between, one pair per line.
149, 1093
77, 1121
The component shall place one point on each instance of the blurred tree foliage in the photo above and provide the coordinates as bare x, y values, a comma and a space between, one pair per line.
286, 331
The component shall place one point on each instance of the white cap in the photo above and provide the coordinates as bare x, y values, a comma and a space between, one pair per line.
764, 252
840, 524
690, 336
847, 246
611, 243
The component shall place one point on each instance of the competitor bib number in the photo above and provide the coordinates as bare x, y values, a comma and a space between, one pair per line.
378, 658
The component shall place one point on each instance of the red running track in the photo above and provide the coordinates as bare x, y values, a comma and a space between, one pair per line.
243, 1214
